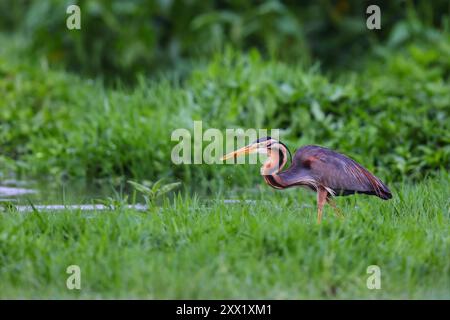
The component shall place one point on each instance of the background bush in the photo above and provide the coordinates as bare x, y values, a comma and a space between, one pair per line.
120, 38
312, 70
59, 124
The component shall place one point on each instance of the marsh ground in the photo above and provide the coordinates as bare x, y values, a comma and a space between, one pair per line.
272, 248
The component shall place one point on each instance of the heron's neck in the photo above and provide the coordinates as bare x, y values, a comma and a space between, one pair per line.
277, 158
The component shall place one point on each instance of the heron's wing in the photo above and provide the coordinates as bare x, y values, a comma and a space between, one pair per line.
336, 171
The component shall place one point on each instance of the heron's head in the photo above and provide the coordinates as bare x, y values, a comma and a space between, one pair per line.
266, 145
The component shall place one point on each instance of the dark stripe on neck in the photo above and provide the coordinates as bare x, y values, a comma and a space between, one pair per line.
281, 159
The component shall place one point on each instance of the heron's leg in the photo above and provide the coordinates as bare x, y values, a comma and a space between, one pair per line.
321, 198
337, 211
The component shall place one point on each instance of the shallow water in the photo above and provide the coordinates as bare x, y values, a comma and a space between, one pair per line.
28, 195
13, 192
82, 207
45, 192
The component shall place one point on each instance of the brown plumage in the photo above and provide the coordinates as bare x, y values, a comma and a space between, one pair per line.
320, 169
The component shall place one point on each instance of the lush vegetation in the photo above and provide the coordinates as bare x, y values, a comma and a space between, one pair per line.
100, 104
391, 112
191, 248
393, 117
124, 37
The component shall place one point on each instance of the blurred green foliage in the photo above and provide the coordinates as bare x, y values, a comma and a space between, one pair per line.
120, 38
393, 117
250, 66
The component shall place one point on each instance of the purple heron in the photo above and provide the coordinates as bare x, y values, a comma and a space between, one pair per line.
322, 170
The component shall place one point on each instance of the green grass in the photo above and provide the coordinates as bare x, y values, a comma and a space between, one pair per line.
197, 248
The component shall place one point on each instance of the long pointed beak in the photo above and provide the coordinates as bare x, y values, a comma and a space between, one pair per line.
245, 150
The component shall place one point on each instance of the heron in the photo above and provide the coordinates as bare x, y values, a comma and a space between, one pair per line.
322, 170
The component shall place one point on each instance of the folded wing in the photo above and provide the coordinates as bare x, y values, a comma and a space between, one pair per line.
335, 171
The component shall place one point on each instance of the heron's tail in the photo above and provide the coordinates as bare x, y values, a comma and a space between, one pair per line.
383, 191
